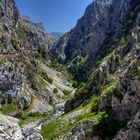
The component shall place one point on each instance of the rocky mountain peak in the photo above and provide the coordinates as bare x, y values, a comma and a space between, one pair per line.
100, 19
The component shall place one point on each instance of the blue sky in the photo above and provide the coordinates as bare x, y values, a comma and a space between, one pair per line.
56, 15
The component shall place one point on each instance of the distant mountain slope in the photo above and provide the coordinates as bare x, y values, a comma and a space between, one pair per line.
56, 35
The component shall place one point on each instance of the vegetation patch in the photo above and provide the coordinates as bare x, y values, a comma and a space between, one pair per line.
8, 109
56, 130
31, 117
47, 78
106, 127
110, 89
55, 90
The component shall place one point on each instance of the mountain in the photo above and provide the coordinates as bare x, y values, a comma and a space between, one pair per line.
85, 86
101, 24
56, 35
101, 19
31, 83
103, 51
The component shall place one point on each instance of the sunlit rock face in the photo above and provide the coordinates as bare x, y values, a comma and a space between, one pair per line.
11, 130
8, 11
21, 41
102, 18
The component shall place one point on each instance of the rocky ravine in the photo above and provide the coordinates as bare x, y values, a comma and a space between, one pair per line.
92, 37
101, 19
103, 50
103, 54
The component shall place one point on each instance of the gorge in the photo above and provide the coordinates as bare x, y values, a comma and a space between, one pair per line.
83, 86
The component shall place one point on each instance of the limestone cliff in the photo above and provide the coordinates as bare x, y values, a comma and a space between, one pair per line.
91, 38
30, 85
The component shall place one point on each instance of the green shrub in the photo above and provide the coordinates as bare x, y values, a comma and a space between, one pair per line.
98, 63
83, 91
130, 21
50, 80
89, 132
117, 58
136, 74
47, 78
138, 36
75, 84
110, 89
15, 44
54, 64
8, 108
131, 14
55, 90
20, 28
38, 55
76, 93
106, 127
66, 92
42, 52
123, 42
33, 114
82, 84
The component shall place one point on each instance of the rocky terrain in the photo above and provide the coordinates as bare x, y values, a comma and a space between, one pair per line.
93, 35
103, 52
85, 86
31, 82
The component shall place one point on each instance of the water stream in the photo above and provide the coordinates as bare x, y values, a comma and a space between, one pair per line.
59, 110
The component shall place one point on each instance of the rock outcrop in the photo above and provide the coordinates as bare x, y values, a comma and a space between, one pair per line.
10, 130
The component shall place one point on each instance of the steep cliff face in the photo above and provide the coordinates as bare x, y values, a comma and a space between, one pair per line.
23, 47
30, 85
36, 35
92, 37
116, 82
9, 12
101, 19
57, 35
